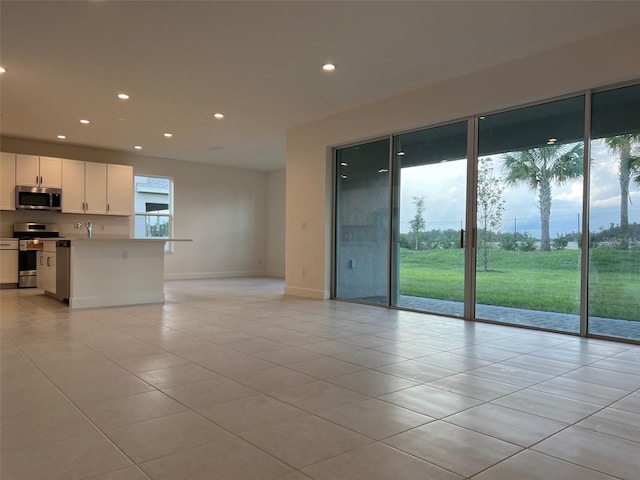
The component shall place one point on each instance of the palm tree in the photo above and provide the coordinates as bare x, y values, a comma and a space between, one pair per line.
628, 166
538, 168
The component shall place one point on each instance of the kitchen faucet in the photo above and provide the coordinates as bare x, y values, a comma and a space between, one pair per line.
89, 228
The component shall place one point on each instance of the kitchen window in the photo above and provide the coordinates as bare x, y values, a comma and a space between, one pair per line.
154, 208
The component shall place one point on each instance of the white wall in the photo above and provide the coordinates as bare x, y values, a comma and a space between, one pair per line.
224, 210
276, 204
599, 61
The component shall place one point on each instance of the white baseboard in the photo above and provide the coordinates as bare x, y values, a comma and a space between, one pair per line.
306, 292
206, 275
275, 274
116, 300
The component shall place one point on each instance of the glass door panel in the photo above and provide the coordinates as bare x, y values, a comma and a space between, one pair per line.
362, 223
429, 218
614, 214
529, 204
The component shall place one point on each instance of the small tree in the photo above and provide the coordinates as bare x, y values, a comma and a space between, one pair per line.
418, 224
490, 209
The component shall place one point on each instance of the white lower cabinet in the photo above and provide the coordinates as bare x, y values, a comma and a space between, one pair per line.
46, 279
41, 269
9, 266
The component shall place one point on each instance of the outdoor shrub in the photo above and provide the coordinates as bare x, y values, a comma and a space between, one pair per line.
560, 242
508, 242
528, 244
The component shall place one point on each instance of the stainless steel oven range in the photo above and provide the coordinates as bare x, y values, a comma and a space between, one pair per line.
29, 235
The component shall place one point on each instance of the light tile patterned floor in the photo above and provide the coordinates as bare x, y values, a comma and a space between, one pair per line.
231, 379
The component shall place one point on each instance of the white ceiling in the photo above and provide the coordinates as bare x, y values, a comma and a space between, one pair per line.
257, 62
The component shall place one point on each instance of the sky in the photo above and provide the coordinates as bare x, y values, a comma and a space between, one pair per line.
444, 187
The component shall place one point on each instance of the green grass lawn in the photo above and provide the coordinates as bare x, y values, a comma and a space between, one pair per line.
546, 281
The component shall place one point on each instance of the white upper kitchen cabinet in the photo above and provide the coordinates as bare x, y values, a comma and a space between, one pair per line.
84, 186
73, 186
50, 172
119, 190
35, 171
28, 170
95, 192
7, 181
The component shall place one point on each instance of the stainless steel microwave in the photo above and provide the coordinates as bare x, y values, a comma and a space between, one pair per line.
38, 198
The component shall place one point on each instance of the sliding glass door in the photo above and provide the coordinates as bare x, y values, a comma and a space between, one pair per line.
504, 218
614, 219
362, 223
430, 210
529, 205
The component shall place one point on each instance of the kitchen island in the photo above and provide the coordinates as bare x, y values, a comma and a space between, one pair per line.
104, 272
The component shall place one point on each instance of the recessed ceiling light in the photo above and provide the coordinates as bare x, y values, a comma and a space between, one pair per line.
137, 147
123, 96
84, 121
383, 170
343, 176
2, 69
62, 137
218, 115
400, 154
328, 67
482, 118
552, 140
344, 164
168, 135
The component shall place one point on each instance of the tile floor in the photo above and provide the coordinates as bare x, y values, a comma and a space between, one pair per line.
232, 380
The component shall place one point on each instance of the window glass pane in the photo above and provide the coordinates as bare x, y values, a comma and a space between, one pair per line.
529, 205
614, 216
153, 226
431, 212
362, 222
156, 207
153, 208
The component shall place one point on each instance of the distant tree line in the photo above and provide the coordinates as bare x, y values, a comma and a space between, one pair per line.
611, 237
617, 236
